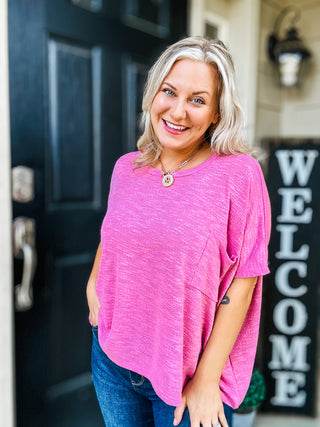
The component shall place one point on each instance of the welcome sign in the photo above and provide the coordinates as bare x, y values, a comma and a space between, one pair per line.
291, 291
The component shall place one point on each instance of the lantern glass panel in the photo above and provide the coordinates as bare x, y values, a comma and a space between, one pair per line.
289, 67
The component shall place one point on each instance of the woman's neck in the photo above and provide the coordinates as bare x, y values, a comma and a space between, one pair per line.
172, 159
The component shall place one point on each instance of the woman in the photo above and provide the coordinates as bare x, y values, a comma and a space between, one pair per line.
175, 290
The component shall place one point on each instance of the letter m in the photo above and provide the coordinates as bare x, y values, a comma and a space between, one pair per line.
301, 165
293, 357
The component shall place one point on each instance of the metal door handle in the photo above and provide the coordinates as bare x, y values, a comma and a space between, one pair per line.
24, 247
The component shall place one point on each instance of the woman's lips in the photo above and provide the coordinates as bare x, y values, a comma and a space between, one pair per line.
172, 128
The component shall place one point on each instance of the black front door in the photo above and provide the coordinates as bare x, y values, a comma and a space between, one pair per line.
77, 69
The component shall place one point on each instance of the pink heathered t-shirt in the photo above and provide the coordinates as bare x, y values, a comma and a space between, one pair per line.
169, 255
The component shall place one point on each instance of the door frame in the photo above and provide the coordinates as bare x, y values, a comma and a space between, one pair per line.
7, 405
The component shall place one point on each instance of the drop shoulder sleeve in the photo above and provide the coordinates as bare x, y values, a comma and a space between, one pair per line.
256, 219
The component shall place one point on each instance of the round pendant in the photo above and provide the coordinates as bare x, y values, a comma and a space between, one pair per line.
167, 180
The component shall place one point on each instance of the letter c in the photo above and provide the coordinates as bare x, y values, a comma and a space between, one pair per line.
282, 276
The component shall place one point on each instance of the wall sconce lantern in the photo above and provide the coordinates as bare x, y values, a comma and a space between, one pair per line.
289, 53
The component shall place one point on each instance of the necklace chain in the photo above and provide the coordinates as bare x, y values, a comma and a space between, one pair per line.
167, 175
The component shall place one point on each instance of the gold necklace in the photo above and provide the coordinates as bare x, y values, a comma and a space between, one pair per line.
168, 179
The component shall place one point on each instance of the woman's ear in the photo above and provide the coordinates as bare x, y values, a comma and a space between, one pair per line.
216, 118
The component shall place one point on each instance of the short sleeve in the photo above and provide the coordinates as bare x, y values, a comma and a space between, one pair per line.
253, 255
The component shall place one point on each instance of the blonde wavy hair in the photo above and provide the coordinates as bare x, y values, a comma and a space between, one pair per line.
226, 136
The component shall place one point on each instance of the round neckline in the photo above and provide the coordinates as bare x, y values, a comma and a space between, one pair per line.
184, 172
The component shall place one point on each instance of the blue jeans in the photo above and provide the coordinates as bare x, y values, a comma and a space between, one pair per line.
128, 399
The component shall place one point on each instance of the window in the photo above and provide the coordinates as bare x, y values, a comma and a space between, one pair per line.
206, 23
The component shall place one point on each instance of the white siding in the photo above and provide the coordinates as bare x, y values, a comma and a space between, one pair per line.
289, 112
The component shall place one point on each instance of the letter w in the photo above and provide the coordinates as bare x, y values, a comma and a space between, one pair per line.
293, 357
298, 166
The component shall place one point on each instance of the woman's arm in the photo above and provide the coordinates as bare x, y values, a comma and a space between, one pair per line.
202, 394
92, 297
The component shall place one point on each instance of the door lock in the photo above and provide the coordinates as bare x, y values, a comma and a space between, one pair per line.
22, 184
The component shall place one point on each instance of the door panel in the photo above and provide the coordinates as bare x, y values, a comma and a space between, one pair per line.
76, 79
148, 16
67, 320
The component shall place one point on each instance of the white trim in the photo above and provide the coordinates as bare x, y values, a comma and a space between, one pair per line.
7, 406
219, 22
199, 16
196, 24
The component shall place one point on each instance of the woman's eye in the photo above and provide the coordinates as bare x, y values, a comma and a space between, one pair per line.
198, 101
168, 92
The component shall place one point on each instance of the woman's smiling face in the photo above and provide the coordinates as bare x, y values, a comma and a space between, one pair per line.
185, 105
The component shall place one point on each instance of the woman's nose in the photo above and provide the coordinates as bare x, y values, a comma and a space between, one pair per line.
178, 110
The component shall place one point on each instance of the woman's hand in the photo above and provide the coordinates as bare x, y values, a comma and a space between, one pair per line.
202, 394
92, 298
93, 303
204, 404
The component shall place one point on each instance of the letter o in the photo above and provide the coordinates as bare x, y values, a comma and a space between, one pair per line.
280, 316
